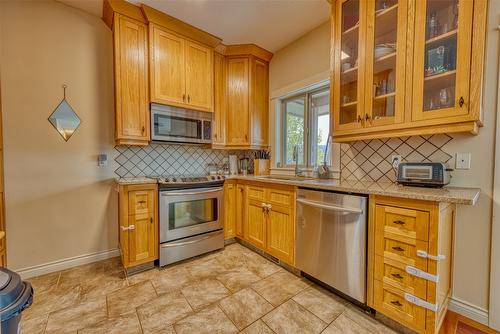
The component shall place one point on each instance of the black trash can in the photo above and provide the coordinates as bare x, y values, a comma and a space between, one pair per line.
15, 296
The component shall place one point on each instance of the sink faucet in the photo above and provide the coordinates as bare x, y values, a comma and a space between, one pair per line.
295, 158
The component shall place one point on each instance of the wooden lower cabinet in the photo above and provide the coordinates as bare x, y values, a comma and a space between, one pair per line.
407, 240
138, 230
265, 217
229, 209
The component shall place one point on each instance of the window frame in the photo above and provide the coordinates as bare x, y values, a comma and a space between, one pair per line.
307, 126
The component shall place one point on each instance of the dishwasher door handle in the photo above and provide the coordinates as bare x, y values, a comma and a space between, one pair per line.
328, 207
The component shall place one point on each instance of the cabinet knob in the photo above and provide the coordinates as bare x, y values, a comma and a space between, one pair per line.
151, 220
143, 129
183, 97
189, 98
461, 102
359, 119
367, 118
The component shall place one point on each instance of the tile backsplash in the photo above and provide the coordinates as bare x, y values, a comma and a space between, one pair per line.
371, 160
170, 159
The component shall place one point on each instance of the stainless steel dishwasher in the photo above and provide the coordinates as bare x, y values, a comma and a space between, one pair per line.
331, 239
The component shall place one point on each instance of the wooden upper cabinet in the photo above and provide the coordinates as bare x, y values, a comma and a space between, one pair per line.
219, 124
246, 97
168, 77
131, 81
181, 71
385, 62
442, 59
199, 76
237, 101
403, 67
348, 65
260, 97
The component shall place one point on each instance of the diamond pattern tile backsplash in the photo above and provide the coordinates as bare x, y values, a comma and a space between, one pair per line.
164, 159
371, 160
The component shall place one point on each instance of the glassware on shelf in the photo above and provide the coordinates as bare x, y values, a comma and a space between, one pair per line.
433, 25
445, 97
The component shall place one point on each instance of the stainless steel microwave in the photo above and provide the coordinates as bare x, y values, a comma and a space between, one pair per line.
170, 124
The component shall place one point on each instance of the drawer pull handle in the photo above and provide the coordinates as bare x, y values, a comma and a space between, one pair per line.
397, 303
399, 222
398, 249
141, 202
397, 276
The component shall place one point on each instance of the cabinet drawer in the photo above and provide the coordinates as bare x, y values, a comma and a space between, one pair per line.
391, 302
140, 202
394, 273
279, 197
399, 249
409, 223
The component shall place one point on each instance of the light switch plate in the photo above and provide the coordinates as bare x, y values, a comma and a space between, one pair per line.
462, 161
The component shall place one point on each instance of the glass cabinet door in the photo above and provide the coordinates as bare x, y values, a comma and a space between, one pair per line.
443, 33
385, 62
348, 71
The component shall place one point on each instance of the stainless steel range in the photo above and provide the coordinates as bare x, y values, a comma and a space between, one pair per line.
191, 219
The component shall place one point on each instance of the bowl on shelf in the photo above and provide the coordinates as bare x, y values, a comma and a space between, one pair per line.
384, 50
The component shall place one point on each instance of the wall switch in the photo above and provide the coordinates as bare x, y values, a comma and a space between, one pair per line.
462, 161
102, 160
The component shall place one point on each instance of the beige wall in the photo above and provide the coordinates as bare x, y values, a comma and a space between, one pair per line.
59, 203
305, 61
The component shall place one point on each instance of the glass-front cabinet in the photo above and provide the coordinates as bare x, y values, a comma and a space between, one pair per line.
443, 33
385, 62
348, 70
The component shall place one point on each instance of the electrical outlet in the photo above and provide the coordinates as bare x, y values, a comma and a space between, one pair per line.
462, 161
395, 161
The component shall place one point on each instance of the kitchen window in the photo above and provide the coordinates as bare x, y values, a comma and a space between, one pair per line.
305, 122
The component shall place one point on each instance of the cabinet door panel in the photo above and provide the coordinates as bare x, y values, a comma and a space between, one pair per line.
260, 103
240, 210
443, 33
256, 225
385, 62
281, 233
199, 78
143, 238
229, 210
131, 85
349, 64
219, 128
237, 88
167, 68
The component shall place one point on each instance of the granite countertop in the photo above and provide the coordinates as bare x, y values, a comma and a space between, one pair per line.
135, 180
457, 195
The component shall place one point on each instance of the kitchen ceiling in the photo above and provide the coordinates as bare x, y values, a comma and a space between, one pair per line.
271, 24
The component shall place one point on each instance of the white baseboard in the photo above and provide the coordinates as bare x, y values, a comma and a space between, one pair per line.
468, 310
63, 264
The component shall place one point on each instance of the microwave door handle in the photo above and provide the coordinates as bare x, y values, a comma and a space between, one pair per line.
329, 207
190, 193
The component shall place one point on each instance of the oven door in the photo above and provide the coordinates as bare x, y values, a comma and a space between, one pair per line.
188, 212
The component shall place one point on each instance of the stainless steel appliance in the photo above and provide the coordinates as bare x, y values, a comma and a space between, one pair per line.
424, 174
180, 125
331, 240
191, 218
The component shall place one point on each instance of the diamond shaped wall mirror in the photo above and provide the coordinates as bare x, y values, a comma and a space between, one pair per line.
64, 118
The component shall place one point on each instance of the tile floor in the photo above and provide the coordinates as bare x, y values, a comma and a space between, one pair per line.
230, 291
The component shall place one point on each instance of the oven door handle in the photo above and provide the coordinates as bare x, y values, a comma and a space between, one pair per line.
183, 243
190, 193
